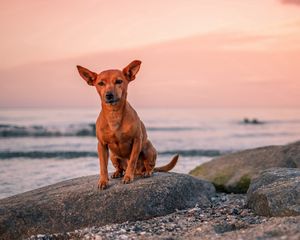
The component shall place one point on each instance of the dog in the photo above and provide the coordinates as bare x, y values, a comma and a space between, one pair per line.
120, 132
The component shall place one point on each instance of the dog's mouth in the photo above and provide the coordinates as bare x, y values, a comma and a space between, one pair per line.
112, 101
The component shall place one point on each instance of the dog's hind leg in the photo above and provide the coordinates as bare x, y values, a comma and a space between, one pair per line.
117, 164
149, 159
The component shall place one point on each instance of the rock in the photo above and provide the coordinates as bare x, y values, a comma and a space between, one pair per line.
233, 172
275, 192
77, 203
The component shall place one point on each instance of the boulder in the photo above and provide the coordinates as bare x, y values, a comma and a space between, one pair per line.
77, 203
275, 192
233, 172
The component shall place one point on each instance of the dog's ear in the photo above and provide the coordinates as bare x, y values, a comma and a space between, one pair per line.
89, 76
132, 69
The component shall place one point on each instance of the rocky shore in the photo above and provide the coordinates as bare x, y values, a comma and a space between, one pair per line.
234, 172
228, 217
169, 205
78, 203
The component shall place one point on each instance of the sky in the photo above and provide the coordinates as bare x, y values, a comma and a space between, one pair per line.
196, 53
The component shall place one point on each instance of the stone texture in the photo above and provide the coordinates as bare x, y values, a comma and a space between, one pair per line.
77, 203
275, 192
233, 172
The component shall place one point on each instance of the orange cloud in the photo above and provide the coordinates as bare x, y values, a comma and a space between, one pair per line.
291, 2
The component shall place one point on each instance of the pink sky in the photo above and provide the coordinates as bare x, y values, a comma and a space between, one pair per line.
195, 53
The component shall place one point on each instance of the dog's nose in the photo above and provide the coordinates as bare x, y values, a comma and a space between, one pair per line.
109, 96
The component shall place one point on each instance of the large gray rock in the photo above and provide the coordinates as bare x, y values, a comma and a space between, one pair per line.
275, 192
77, 203
233, 172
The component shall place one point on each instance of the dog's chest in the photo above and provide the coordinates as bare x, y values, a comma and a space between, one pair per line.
119, 143
116, 132
114, 136
114, 122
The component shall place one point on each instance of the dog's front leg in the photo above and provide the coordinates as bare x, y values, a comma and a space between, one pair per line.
103, 158
135, 152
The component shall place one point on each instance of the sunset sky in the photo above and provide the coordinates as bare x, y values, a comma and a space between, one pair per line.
196, 53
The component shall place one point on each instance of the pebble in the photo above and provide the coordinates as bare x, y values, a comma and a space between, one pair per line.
235, 211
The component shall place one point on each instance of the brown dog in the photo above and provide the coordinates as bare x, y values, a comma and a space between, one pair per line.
119, 129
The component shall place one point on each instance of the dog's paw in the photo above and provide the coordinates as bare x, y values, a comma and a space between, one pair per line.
127, 179
102, 184
147, 174
117, 174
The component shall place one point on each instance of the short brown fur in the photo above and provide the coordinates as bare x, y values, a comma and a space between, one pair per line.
119, 130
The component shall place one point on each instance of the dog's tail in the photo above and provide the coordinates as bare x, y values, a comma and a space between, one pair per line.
169, 166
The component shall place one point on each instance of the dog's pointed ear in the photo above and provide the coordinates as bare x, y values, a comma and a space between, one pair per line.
132, 69
89, 76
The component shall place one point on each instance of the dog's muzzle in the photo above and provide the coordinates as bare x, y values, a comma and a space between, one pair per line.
110, 98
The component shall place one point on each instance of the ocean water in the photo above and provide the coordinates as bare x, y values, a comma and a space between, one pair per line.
39, 147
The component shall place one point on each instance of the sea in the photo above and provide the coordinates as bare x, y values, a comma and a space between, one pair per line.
39, 147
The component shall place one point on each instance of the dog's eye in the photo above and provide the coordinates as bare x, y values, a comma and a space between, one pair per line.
101, 83
119, 81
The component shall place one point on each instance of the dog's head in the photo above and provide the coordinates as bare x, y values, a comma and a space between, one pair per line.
111, 84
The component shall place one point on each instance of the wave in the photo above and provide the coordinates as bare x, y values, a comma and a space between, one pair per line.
79, 154
42, 154
193, 153
263, 134
174, 129
7, 130
89, 129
